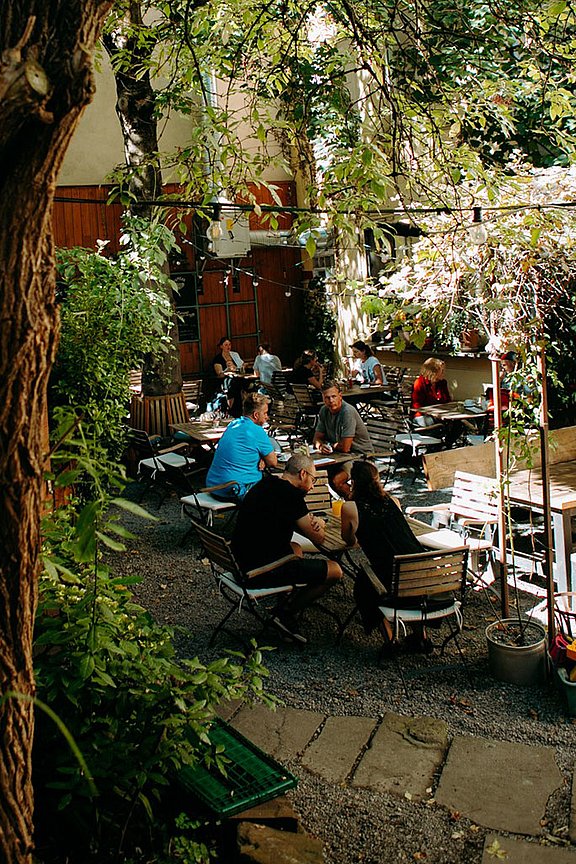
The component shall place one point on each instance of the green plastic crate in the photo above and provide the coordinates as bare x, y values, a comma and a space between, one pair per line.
251, 775
568, 688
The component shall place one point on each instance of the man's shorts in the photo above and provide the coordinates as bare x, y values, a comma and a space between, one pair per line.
304, 572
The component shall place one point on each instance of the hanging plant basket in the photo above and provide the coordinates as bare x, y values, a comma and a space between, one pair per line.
517, 651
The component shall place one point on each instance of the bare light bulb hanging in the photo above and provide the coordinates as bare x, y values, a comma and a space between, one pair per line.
477, 230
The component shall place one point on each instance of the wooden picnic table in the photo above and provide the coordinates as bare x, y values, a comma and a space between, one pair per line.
525, 489
367, 392
202, 431
450, 411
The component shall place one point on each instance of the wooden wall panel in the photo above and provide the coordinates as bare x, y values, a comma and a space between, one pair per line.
82, 223
279, 318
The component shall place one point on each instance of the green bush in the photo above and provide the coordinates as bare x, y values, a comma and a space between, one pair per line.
114, 311
110, 675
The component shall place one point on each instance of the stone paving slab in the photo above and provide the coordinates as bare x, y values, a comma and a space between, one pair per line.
259, 844
509, 851
403, 756
332, 755
499, 784
282, 733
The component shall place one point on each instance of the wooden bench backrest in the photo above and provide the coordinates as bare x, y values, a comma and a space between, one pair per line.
441, 467
474, 497
154, 414
319, 499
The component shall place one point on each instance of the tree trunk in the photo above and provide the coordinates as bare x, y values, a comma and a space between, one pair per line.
135, 107
45, 81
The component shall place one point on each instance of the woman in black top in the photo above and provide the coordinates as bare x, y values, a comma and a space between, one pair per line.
373, 519
307, 370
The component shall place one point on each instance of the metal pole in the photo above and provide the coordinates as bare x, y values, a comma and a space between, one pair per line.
548, 539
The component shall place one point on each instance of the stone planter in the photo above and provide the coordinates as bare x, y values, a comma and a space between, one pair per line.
514, 660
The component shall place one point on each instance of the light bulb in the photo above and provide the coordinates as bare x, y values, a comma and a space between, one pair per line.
477, 230
214, 231
288, 292
255, 280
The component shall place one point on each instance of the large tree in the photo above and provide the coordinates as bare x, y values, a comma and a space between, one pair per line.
46, 80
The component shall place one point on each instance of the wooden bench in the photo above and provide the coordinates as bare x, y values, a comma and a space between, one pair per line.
441, 467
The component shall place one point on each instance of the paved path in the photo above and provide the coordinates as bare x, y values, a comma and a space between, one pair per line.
402, 756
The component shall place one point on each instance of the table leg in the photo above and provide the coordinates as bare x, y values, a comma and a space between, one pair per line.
562, 526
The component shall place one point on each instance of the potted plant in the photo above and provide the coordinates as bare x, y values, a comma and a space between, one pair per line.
512, 284
517, 650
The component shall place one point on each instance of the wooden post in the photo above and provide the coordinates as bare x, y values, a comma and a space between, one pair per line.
544, 457
501, 478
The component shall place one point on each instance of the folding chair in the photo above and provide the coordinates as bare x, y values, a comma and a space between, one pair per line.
284, 421
234, 585
156, 459
426, 587
202, 504
470, 518
193, 393
280, 381
308, 408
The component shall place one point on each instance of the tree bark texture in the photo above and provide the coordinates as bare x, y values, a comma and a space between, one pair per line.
135, 107
45, 81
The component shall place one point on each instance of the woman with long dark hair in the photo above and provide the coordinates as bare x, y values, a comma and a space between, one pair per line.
373, 519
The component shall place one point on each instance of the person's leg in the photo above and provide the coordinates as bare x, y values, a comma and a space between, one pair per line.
306, 596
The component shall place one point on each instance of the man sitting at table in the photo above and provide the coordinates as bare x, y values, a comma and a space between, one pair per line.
340, 429
244, 451
275, 508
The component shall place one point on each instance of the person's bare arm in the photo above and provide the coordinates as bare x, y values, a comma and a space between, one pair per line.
315, 382
271, 459
318, 440
311, 527
219, 370
344, 445
349, 517
378, 379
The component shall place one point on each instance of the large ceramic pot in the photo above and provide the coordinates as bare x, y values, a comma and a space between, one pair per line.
517, 651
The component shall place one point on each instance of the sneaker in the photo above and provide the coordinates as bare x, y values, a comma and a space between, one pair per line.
287, 625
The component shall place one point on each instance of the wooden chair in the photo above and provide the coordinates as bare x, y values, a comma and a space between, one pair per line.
136, 381
283, 421
280, 381
234, 585
193, 394
391, 435
154, 460
308, 408
305, 399
202, 504
426, 587
154, 414
470, 517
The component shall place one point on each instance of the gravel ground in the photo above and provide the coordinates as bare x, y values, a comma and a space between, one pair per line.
347, 679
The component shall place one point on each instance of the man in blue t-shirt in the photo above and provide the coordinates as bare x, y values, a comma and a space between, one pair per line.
244, 451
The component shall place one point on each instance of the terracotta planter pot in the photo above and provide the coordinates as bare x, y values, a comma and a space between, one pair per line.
470, 339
